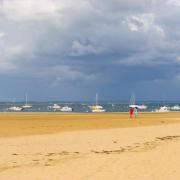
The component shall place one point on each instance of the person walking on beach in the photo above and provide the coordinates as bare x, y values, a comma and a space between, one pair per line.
131, 111
135, 111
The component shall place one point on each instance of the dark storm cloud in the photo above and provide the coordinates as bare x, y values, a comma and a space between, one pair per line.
90, 43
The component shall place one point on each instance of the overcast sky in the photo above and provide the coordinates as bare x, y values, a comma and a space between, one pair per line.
71, 49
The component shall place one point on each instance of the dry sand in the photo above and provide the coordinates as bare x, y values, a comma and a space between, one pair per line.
89, 146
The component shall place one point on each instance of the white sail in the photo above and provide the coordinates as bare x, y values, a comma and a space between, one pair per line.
133, 99
133, 103
97, 107
26, 104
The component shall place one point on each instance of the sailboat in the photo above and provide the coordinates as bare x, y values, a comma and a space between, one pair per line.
97, 108
142, 107
133, 103
163, 109
26, 104
175, 108
15, 108
66, 109
55, 107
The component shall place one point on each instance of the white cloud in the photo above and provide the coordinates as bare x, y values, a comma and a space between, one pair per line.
29, 9
13, 56
144, 22
2, 34
79, 49
14, 51
173, 2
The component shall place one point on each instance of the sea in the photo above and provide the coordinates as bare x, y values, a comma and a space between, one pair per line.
114, 106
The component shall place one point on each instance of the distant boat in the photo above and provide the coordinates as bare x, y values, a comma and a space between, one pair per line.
163, 109
132, 102
134, 105
66, 109
97, 108
142, 107
55, 107
15, 108
176, 107
26, 104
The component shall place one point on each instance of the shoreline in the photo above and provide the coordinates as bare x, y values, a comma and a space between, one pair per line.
35, 123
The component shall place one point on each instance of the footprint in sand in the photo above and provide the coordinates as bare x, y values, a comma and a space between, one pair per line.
50, 154
35, 160
50, 159
47, 164
64, 153
14, 154
76, 152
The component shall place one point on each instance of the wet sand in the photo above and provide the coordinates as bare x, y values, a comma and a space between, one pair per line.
21, 124
108, 146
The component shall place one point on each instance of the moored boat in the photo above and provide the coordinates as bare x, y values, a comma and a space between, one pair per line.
26, 104
66, 109
15, 108
163, 109
55, 107
175, 108
97, 108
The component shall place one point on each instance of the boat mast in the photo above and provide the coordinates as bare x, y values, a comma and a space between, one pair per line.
26, 98
133, 99
13, 102
96, 99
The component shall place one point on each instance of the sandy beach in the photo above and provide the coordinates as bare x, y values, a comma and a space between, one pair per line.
89, 146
